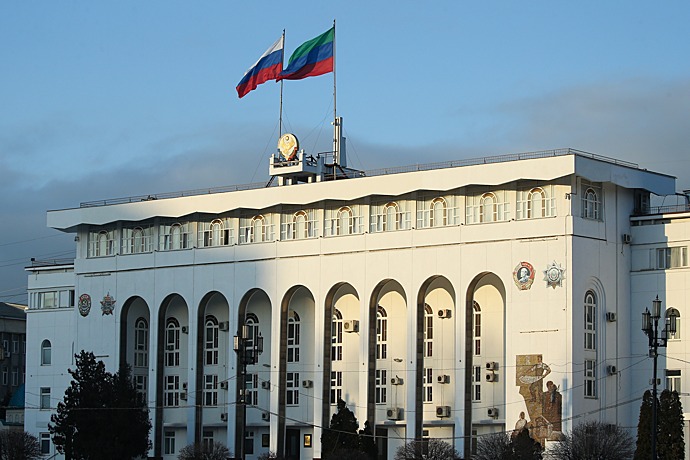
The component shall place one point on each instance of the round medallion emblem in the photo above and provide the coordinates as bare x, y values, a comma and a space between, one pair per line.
84, 304
523, 275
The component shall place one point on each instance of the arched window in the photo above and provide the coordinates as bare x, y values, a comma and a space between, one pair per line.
536, 203
669, 312
488, 209
258, 226
439, 212
591, 204
172, 343
211, 341
390, 217
477, 328
381, 333
299, 222
46, 353
102, 246
141, 343
590, 321
344, 224
252, 323
216, 233
176, 236
428, 331
293, 333
337, 336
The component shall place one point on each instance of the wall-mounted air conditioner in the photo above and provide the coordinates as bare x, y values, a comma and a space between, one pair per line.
445, 313
224, 417
224, 325
265, 416
611, 316
224, 385
492, 412
492, 377
396, 381
351, 325
492, 366
266, 385
445, 378
611, 369
185, 330
307, 383
442, 411
183, 395
393, 413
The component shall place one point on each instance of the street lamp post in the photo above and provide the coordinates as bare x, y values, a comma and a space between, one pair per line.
650, 326
248, 348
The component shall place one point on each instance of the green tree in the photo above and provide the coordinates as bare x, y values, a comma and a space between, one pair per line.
670, 441
524, 447
102, 415
366, 441
643, 449
495, 446
341, 436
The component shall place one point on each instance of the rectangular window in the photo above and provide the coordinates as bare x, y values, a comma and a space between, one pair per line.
172, 391
336, 386
45, 443
15, 345
15, 376
210, 390
477, 383
207, 440
169, 443
292, 389
337, 339
590, 327
672, 257
428, 380
46, 300
251, 388
249, 443
590, 378
293, 338
673, 380
45, 398
5, 375
140, 382
381, 386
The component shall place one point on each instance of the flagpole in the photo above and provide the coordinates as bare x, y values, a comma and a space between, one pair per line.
336, 146
280, 117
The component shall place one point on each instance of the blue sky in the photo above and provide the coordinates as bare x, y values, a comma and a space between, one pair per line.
110, 99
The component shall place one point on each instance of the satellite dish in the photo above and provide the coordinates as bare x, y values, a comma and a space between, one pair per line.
288, 146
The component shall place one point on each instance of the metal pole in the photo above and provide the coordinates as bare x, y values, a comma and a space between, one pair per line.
654, 404
282, 61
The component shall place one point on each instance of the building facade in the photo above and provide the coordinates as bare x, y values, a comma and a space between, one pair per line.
12, 350
446, 301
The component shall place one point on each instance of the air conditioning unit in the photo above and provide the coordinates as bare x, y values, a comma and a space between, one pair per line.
611, 316
445, 378
611, 369
492, 412
492, 377
266, 385
265, 416
442, 411
224, 325
307, 383
444, 313
393, 413
224, 417
351, 325
492, 366
183, 395
627, 239
185, 330
224, 385
184, 385
396, 381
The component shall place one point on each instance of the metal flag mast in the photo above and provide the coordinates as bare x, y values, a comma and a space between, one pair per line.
280, 116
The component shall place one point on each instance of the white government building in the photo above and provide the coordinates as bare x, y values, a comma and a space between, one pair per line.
448, 301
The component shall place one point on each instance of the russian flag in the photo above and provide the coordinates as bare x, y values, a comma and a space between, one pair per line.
268, 67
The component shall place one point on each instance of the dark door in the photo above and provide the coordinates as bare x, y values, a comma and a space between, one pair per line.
292, 444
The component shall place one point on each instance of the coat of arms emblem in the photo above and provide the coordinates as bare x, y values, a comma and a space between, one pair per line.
107, 305
523, 275
84, 304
